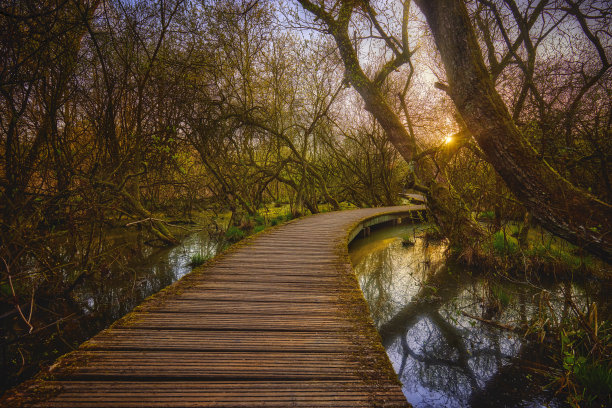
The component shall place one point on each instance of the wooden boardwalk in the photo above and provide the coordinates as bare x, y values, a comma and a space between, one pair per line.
278, 321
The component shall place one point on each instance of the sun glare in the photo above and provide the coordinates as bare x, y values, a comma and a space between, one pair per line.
448, 139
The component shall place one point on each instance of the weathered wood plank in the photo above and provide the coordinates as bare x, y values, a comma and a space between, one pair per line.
239, 321
260, 308
148, 339
326, 393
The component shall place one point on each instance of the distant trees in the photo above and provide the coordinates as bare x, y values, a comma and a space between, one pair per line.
268, 128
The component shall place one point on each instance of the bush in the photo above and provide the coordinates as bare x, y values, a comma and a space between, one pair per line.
504, 245
558, 257
259, 228
234, 234
259, 220
487, 215
587, 368
501, 295
596, 378
198, 259
279, 219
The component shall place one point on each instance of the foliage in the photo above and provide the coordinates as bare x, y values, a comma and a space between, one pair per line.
487, 215
281, 218
587, 363
198, 259
408, 240
504, 244
546, 254
234, 234
501, 295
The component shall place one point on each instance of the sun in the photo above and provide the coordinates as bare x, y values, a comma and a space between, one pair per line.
448, 139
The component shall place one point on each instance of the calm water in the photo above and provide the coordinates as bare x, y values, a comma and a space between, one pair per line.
137, 272
114, 297
443, 357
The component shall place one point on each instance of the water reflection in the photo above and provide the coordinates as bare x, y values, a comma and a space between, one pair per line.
427, 315
147, 273
99, 299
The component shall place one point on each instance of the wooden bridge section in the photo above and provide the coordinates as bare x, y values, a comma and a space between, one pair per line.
279, 320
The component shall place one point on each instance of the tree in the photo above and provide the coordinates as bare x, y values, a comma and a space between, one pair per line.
559, 206
554, 202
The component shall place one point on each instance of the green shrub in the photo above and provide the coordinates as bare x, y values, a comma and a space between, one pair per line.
487, 215
551, 254
198, 259
279, 219
588, 367
596, 378
501, 295
504, 245
259, 228
234, 234
259, 220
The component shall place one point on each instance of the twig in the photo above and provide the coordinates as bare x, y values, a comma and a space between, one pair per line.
490, 322
63, 319
10, 279
151, 219
145, 220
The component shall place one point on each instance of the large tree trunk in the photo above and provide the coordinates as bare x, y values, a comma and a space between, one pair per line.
555, 203
455, 221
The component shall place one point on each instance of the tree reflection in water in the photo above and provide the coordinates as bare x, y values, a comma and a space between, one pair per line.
97, 301
442, 357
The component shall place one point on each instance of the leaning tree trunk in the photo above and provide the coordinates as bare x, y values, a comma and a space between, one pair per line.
554, 202
455, 221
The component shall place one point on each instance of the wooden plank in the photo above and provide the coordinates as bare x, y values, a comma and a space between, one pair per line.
307, 287
209, 365
343, 393
148, 339
256, 296
246, 307
292, 280
239, 321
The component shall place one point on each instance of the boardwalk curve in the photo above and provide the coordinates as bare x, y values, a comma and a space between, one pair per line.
278, 321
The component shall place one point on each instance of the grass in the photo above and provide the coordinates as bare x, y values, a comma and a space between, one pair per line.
596, 378
234, 234
198, 259
486, 215
502, 296
558, 256
587, 364
258, 222
504, 244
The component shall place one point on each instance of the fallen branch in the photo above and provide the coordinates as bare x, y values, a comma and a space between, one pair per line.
151, 219
491, 322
